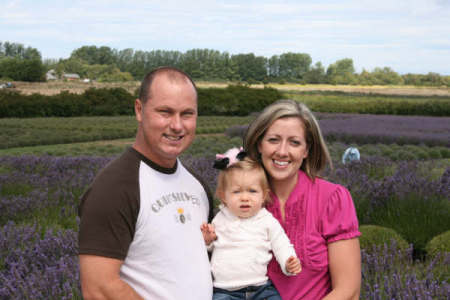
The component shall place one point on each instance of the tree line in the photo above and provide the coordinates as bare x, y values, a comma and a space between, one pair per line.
107, 64
20, 63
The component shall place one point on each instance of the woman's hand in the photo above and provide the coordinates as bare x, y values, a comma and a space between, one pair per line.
209, 233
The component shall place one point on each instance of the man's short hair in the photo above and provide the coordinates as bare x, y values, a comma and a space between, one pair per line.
172, 73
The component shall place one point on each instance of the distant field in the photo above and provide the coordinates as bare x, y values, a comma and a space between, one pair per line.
54, 87
51, 131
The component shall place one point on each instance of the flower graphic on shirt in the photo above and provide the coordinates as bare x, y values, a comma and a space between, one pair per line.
181, 216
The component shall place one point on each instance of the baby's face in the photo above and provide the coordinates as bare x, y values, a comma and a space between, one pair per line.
244, 195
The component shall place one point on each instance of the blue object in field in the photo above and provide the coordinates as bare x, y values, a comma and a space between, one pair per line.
351, 154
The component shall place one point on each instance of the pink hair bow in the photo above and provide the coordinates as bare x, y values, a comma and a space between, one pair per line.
230, 157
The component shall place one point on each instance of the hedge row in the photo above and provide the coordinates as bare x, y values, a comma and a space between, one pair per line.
235, 100
93, 102
231, 101
340, 102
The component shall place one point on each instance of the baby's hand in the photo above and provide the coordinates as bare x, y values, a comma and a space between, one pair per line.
293, 265
209, 234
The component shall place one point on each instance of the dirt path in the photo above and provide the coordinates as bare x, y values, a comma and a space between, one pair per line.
55, 87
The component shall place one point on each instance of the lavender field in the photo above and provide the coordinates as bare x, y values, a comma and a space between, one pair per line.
386, 129
38, 223
381, 129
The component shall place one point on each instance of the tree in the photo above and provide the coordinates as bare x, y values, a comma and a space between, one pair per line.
341, 72
93, 55
293, 66
274, 66
22, 69
20, 63
72, 65
316, 74
250, 67
385, 76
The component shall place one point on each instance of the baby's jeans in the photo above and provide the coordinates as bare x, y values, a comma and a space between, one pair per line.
263, 292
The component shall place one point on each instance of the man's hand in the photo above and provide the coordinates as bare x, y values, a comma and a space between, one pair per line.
293, 265
209, 234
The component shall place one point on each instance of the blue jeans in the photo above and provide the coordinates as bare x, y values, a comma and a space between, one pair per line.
262, 292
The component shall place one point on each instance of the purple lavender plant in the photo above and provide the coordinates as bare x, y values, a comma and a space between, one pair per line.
35, 266
386, 129
390, 273
40, 262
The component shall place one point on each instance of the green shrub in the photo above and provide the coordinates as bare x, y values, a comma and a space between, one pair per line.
438, 244
235, 100
416, 217
330, 101
373, 235
93, 102
434, 153
445, 152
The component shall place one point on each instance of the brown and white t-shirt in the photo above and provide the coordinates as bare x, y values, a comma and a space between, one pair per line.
149, 217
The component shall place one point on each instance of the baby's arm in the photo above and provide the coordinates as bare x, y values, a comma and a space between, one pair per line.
283, 249
209, 233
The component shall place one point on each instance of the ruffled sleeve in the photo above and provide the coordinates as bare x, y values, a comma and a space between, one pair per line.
339, 220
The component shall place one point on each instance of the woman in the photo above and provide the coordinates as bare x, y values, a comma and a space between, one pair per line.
318, 216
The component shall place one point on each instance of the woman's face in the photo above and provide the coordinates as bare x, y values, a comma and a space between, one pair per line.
283, 149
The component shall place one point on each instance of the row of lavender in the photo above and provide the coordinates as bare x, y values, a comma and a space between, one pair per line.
385, 129
370, 129
38, 224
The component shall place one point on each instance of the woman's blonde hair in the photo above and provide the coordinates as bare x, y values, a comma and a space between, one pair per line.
246, 165
318, 155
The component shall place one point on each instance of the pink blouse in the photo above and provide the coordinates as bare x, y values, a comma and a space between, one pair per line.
316, 214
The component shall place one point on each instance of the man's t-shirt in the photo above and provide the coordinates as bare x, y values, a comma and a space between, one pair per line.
149, 217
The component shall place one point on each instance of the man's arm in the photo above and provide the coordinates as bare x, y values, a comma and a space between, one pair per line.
100, 279
345, 269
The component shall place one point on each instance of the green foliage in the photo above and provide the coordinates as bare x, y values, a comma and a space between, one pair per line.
430, 79
93, 55
19, 51
373, 235
380, 76
336, 102
438, 244
231, 101
250, 67
48, 131
93, 102
207, 64
341, 72
289, 66
235, 100
414, 218
20, 63
22, 69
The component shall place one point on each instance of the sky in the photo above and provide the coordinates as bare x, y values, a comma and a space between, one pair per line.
407, 36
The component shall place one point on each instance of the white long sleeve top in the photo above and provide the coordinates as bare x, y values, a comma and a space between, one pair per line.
243, 248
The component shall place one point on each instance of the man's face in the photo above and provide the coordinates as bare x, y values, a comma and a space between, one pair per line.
167, 121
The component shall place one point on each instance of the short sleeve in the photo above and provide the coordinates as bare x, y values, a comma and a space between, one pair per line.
339, 220
109, 209
107, 223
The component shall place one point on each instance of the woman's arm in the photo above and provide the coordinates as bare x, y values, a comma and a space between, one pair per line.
344, 258
100, 279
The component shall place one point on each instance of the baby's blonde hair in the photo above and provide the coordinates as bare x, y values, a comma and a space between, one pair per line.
245, 165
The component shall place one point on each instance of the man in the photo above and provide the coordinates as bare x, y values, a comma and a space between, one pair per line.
140, 232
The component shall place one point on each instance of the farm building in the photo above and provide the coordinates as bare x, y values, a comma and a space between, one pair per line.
71, 76
51, 75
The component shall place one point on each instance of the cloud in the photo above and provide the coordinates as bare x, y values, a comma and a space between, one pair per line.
373, 33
